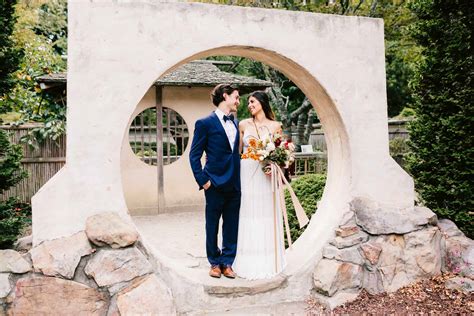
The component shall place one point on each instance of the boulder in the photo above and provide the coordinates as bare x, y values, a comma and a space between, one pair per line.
60, 257
378, 220
371, 252
468, 260
448, 228
465, 285
406, 258
351, 254
372, 282
24, 243
54, 296
347, 230
14, 262
146, 296
110, 229
111, 266
348, 219
459, 256
391, 262
344, 242
422, 254
5, 285
331, 276
392, 249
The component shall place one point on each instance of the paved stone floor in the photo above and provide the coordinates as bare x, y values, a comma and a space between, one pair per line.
179, 236
178, 240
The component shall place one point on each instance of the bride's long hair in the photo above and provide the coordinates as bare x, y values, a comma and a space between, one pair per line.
262, 97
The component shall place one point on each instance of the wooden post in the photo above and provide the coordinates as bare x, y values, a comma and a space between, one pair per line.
159, 148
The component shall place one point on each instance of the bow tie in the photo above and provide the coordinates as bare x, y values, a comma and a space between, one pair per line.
229, 117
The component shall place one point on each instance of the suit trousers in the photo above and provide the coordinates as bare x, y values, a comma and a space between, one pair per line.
225, 204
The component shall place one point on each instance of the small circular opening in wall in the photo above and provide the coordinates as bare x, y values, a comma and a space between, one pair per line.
143, 136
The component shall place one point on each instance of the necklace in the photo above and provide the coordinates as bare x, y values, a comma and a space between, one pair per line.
261, 127
256, 128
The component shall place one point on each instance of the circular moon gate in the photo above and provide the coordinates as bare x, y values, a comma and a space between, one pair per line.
117, 50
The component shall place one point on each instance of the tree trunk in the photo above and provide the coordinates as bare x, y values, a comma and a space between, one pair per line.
300, 129
309, 125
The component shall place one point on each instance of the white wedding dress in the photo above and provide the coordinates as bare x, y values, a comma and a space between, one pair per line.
260, 247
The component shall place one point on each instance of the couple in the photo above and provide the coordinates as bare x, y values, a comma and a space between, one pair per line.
252, 243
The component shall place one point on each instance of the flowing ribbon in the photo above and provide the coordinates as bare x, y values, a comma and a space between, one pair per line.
279, 183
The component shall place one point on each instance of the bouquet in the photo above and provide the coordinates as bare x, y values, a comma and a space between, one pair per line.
272, 149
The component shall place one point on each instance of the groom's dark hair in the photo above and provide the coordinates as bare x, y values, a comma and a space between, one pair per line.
217, 94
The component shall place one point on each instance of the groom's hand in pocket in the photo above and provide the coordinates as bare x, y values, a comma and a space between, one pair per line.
207, 185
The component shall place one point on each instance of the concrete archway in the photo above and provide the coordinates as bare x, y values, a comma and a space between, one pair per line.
336, 197
117, 50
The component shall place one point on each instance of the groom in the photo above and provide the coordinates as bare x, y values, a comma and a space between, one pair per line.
218, 136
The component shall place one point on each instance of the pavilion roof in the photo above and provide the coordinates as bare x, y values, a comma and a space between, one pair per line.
203, 73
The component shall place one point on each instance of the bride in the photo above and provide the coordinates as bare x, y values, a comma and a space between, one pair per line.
260, 246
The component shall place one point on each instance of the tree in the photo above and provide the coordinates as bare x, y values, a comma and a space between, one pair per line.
40, 57
288, 102
13, 215
52, 24
10, 166
441, 134
9, 55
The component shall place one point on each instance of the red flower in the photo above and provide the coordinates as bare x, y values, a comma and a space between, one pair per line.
277, 142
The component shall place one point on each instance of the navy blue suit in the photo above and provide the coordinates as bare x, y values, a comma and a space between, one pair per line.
222, 168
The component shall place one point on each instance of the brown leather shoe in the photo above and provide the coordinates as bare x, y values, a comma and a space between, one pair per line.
228, 272
215, 272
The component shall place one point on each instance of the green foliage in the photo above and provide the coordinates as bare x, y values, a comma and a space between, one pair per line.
407, 112
10, 163
9, 54
401, 53
9, 117
399, 150
441, 135
309, 190
13, 215
40, 57
52, 24
150, 149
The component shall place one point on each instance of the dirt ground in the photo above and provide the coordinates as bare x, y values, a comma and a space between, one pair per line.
428, 296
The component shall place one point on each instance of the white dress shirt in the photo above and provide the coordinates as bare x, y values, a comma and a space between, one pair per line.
229, 127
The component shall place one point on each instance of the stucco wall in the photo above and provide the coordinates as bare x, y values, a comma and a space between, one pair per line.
117, 49
140, 180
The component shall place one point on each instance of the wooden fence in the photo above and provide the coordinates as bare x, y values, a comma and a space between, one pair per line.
396, 129
41, 162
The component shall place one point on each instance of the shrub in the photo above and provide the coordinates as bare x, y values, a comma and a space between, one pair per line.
399, 150
10, 165
407, 113
441, 136
309, 189
13, 214
13, 218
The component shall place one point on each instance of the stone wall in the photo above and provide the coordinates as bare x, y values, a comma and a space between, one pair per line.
103, 270
381, 249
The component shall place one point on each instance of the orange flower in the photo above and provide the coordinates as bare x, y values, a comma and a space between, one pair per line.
252, 142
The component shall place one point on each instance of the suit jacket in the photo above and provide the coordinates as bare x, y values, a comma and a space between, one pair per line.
222, 166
